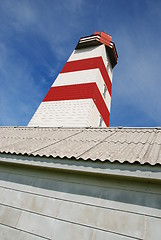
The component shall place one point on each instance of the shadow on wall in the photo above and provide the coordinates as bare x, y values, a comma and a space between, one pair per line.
130, 192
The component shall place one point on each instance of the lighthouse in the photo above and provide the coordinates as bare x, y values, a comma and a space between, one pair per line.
81, 94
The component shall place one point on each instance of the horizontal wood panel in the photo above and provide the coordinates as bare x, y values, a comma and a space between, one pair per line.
44, 202
10, 233
108, 191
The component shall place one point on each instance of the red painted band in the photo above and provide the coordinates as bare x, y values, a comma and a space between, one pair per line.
86, 64
80, 91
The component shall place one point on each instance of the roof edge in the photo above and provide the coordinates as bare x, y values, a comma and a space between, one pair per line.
139, 172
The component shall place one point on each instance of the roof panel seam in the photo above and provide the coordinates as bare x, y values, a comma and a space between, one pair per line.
56, 142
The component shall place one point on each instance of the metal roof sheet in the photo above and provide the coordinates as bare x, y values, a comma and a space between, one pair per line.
104, 144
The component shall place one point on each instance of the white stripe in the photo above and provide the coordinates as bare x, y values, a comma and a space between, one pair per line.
85, 53
90, 52
66, 113
84, 76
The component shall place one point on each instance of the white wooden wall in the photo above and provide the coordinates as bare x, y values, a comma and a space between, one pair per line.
40, 204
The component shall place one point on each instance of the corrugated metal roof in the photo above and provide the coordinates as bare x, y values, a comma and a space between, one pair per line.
105, 144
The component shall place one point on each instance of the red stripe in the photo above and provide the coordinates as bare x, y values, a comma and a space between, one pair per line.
86, 64
80, 91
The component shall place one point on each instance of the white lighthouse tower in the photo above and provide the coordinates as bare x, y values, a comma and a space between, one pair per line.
81, 94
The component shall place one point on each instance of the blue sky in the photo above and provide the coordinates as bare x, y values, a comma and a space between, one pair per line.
38, 36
